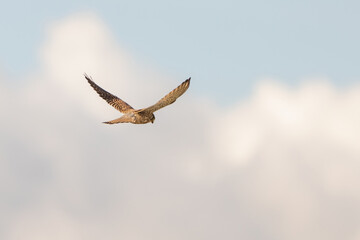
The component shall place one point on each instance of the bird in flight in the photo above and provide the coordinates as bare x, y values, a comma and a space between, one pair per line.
140, 116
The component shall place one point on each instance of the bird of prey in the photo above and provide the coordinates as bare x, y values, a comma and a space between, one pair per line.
140, 116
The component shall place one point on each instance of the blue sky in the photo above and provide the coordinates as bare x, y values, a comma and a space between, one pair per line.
280, 161
226, 46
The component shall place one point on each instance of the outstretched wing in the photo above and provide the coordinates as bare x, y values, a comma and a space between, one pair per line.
169, 98
113, 100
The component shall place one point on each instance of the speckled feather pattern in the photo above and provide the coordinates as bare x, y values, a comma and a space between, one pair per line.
140, 116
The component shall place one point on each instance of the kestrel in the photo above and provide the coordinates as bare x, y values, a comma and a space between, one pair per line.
140, 116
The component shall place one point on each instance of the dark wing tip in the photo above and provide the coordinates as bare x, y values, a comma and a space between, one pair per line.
87, 77
187, 82
91, 82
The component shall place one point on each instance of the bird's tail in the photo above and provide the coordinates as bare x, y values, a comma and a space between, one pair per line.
122, 119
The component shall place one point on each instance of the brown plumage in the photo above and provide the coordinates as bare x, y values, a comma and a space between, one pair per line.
140, 116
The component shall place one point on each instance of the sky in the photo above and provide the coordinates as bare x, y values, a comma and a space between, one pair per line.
234, 43
265, 144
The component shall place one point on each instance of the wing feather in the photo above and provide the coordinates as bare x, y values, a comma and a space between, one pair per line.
113, 100
169, 98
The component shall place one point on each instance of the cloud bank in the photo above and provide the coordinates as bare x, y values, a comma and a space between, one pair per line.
283, 164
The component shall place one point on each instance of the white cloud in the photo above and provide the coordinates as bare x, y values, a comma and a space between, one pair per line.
82, 43
283, 164
315, 111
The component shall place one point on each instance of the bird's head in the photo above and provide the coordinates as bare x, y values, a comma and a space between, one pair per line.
152, 118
